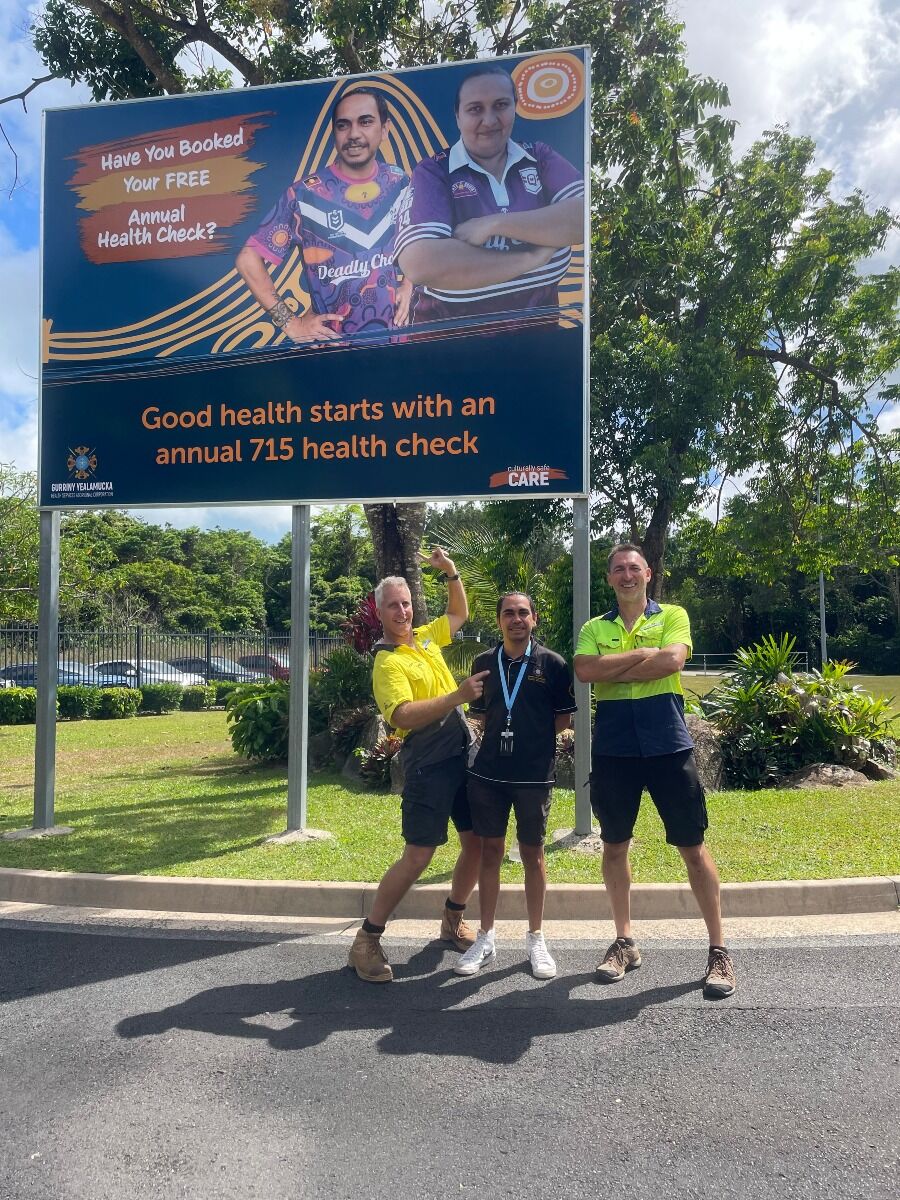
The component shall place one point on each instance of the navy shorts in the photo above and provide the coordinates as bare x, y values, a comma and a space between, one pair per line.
492, 800
432, 797
674, 787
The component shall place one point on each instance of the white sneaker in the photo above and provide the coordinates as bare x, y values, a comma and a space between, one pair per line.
481, 951
543, 965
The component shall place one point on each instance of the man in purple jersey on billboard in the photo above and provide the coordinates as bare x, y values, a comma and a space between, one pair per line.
487, 225
342, 218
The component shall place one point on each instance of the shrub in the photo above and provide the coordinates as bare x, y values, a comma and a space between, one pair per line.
197, 697
160, 697
224, 688
345, 681
18, 706
363, 627
77, 702
257, 715
773, 721
118, 702
375, 764
346, 727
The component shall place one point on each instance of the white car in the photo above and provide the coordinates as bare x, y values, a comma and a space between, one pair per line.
152, 670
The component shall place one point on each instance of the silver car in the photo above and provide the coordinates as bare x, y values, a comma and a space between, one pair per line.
150, 670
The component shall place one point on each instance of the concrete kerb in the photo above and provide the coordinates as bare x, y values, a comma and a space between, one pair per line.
567, 901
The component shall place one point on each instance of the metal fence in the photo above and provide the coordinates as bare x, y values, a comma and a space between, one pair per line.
719, 664
142, 644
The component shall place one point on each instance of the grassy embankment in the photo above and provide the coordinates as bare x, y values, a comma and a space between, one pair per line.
167, 795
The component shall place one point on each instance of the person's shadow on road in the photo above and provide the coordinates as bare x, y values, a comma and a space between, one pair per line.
431, 1013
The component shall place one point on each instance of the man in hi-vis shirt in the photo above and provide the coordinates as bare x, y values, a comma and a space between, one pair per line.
633, 655
417, 695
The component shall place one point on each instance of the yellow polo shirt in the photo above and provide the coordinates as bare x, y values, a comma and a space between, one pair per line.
416, 672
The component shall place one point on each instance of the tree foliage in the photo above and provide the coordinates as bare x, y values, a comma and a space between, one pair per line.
734, 331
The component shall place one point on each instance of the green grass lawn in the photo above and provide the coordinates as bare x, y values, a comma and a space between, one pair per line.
878, 685
167, 796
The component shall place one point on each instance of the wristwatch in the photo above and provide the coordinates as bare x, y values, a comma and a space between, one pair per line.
453, 578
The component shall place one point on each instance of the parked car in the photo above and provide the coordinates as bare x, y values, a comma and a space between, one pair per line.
68, 674
275, 665
217, 669
151, 670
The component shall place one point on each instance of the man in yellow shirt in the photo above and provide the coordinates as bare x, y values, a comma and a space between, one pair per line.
417, 695
633, 655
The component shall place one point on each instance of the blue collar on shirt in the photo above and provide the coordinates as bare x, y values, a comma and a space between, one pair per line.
652, 607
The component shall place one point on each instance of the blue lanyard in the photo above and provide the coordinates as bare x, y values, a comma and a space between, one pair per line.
511, 699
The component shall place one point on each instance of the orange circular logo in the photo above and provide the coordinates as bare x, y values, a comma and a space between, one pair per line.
548, 85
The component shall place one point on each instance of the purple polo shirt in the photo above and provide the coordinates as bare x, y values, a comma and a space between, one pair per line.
344, 228
450, 188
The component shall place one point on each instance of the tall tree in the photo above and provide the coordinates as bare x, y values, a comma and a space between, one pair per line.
732, 328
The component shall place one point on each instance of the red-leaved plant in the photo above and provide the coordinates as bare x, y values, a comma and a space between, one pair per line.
363, 628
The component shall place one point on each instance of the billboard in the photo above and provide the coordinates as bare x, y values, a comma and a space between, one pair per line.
366, 288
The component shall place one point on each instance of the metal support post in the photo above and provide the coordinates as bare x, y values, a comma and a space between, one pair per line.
823, 636
47, 652
299, 660
581, 611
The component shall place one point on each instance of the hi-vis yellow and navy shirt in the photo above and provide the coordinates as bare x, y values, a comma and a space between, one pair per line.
639, 720
418, 672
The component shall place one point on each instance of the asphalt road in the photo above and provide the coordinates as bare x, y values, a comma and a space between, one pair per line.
176, 1066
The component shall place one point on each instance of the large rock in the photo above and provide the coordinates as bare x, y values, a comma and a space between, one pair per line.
320, 750
707, 752
819, 775
372, 732
879, 771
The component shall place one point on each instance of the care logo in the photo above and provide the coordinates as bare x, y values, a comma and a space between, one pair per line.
548, 85
528, 475
81, 462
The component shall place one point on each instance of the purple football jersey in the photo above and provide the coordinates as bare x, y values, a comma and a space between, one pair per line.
345, 230
450, 188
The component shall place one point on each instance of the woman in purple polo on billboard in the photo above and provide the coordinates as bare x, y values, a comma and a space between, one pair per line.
487, 225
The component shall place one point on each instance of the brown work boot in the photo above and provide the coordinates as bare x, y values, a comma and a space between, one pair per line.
454, 929
619, 958
368, 959
719, 981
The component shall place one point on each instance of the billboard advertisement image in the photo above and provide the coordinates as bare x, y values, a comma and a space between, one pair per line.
367, 288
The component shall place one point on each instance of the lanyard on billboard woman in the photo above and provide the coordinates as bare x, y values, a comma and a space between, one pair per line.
507, 735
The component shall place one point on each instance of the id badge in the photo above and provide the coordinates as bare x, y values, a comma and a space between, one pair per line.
506, 741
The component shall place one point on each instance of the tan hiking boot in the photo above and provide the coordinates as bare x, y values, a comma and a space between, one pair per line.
619, 958
368, 959
719, 981
454, 929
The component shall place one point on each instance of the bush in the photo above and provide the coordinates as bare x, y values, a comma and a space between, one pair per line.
18, 706
118, 702
197, 697
224, 688
160, 697
257, 715
375, 764
346, 727
344, 682
773, 721
77, 702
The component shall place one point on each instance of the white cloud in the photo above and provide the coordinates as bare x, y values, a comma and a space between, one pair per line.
269, 522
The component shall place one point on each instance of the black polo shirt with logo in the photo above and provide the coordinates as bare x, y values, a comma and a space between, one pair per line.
546, 692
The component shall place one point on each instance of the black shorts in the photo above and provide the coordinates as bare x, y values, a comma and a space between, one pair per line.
432, 797
674, 787
491, 802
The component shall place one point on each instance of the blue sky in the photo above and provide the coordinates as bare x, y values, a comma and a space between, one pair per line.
827, 68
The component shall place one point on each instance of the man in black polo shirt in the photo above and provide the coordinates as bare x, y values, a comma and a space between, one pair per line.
527, 700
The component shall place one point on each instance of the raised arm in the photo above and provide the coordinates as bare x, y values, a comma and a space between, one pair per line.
457, 604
